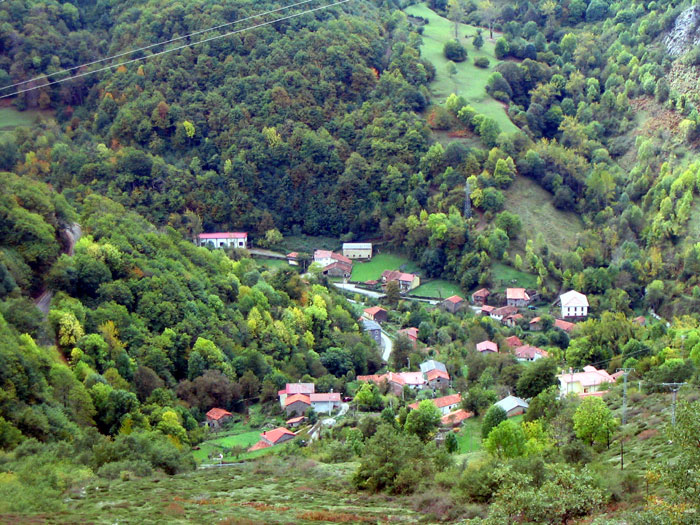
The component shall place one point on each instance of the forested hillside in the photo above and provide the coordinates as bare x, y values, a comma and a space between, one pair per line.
334, 124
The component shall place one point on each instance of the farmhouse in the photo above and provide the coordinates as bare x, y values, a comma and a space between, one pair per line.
376, 313
411, 333
338, 269
277, 436
373, 329
407, 281
513, 341
512, 320
293, 258
326, 257
480, 297
589, 381
564, 325
486, 347
456, 418
536, 324
487, 310
396, 381
357, 250
453, 304
435, 374
325, 402
216, 417
446, 404
297, 404
529, 353
517, 297
223, 239
296, 421
295, 388
513, 406
573, 304
504, 311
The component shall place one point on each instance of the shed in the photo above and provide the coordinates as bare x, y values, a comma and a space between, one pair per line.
357, 250
513, 406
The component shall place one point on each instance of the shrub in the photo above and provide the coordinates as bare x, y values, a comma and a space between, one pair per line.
481, 62
454, 51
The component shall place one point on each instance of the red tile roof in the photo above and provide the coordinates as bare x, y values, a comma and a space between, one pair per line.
223, 235
273, 436
529, 352
411, 333
374, 310
456, 417
455, 299
505, 311
487, 346
513, 341
482, 292
345, 266
564, 325
304, 398
517, 294
436, 373
292, 255
442, 402
535, 320
298, 388
296, 420
487, 308
259, 445
218, 413
395, 275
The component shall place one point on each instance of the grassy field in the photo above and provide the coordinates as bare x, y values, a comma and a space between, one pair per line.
437, 288
470, 81
10, 118
271, 490
469, 436
273, 264
504, 277
373, 269
533, 205
227, 446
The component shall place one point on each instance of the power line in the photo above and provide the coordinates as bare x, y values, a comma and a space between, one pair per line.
41, 77
126, 62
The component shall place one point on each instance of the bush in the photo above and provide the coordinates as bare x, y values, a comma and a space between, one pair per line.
454, 51
481, 62
115, 469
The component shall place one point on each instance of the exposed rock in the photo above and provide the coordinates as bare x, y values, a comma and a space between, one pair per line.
684, 35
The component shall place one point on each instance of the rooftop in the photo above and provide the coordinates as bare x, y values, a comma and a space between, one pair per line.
273, 436
573, 298
590, 376
442, 402
517, 294
223, 235
455, 299
357, 246
218, 413
529, 352
487, 346
511, 402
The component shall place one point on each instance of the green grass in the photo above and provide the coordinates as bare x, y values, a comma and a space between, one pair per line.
273, 264
469, 436
503, 277
307, 243
438, 288
533, 205
470, 81
372, 270
10, 118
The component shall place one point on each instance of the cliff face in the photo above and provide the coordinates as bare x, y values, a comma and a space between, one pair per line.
685, 34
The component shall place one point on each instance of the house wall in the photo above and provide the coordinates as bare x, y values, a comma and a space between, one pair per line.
355, 253
379, 317
224, 243
517, 302
376, 335
299, 408
285, 437
438, 383
324, 407
515, 411
574, 311
449, 408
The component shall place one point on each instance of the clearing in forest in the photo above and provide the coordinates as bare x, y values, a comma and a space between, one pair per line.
469, 81
372, 269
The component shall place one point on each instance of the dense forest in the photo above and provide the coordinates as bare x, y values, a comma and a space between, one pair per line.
326, 125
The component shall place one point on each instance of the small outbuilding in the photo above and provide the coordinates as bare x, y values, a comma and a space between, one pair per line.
486, 347
480, 297
513, 406
376, 313
216, 417
357, 250
453, 304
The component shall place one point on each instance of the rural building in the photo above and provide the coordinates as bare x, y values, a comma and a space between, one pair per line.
407, 281
573, 304
480, 297
435, 374
295, 388
456, 418
293, 258
504, 311
513, 341
564, 325
453, 304
357, 250
296, 421
374, 330
396, 381
536, 324
487, 310
513, 406
529, 353
517, 297
338, 269
277, 436
486, 347
590, 381
411, 333
641, 320
216, 417
446, 404
326, 257
376, 313
325, 403
297, 404
223, 239
512, 320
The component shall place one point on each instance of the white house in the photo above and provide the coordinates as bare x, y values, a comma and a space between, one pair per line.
325, 403
357, 250
223, 239
589, 381
573, 304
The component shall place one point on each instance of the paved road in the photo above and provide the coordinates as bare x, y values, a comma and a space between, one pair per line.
361, 291
388, 345
72, 234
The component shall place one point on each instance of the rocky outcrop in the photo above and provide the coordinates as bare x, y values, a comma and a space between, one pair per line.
684, 35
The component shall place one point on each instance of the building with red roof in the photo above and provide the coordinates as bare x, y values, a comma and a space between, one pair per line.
517, 297
396, 381
529, 353
338, 269
564, 325
487, 310
407, 281
296, 421
504, 311
376, 313
446, 404
589, 381
223, 239
453, 304
512, 320
297, 404
513, 341
295, 388
480, 297
216, 417
456, 418
277, 436
486, 346
411, 333
293, 258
